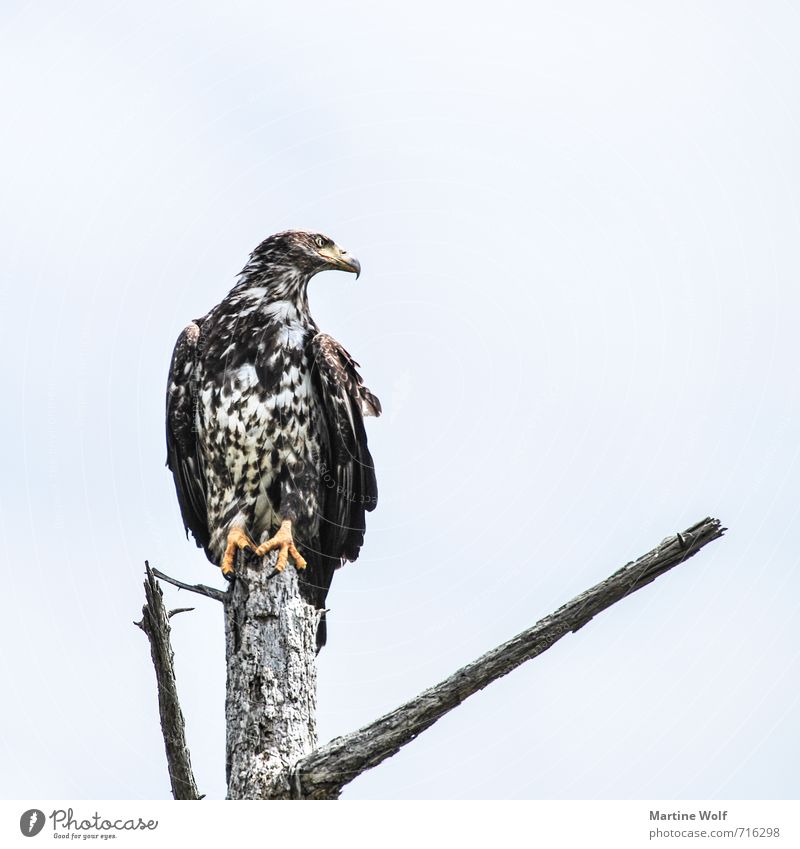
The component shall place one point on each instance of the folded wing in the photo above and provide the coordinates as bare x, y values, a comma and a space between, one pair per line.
349, 488
184, 458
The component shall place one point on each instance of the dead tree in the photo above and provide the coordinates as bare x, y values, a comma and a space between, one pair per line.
271, 693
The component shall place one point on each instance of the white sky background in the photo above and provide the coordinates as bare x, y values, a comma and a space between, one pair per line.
578, 225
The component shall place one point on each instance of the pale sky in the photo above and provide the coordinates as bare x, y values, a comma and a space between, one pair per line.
578, 225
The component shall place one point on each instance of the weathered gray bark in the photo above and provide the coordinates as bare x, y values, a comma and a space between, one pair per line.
271, 696
200, 589
155, 623
323, 773
270, 635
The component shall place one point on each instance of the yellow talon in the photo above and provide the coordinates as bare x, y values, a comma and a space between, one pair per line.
285, 543
237, 540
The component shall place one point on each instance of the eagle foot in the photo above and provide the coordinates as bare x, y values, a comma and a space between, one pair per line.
284, 542
237, 540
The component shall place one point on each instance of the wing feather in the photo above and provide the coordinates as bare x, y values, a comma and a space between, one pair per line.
349, 488
184, 457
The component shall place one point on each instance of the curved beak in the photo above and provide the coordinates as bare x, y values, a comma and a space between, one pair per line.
351, 264
341, 259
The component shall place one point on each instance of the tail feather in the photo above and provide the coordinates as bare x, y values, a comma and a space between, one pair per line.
315, 582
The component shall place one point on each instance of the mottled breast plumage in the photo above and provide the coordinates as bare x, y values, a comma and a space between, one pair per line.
265, 419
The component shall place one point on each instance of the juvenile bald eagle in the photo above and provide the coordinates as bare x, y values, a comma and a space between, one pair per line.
265, 429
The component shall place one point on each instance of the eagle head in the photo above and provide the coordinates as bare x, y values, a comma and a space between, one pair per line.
304, 253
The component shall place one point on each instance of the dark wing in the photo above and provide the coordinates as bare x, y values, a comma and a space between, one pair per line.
349, 488
184, 458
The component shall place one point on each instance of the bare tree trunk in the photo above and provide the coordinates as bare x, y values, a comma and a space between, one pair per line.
155, 624
271, 695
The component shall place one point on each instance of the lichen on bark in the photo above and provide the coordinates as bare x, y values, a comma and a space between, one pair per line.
271, 692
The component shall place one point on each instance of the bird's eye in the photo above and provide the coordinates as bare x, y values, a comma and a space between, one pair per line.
320, 241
